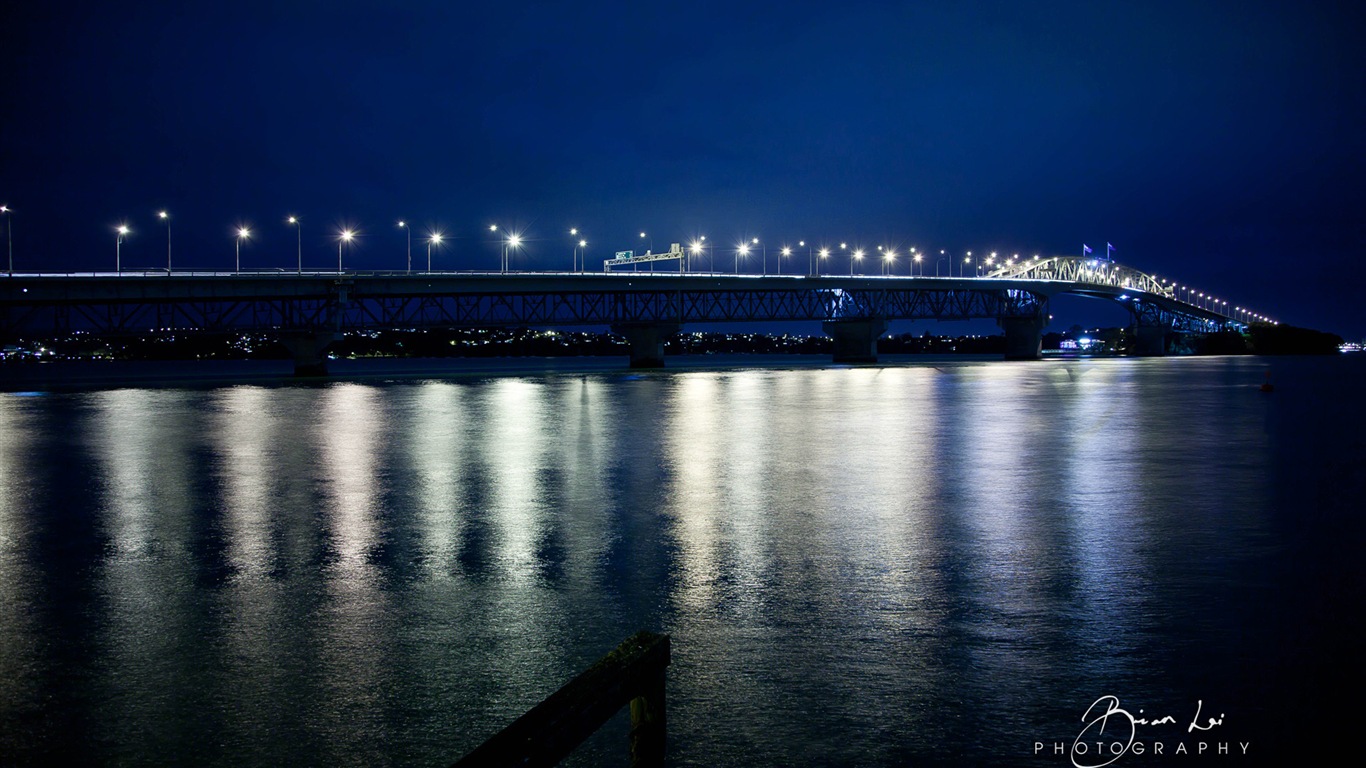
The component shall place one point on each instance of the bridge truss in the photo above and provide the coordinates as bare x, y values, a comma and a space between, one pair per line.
1153, 303
346, 305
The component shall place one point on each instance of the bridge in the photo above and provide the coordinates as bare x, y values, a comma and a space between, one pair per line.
309, 310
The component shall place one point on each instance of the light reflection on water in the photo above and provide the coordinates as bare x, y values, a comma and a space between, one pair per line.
857, 565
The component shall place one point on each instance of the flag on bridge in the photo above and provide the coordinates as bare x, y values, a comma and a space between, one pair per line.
1085, 249
1109, 249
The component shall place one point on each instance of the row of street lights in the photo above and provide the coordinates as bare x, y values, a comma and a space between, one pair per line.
122, 231
698, 247
514, 241
1208, 302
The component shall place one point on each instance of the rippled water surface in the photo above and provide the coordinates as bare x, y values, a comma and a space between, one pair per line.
871, 566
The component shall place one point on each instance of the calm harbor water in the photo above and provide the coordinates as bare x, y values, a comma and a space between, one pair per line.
938, 563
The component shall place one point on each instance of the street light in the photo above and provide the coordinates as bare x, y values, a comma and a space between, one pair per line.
9, 233
346, 236
743, 250
694, 249
824, 254
242, 234
122, 231
785, 252
166, 217
299, 229
582, 259
917, 263
810, 256
513, 241
858, 256
649, 239
404, 226
435, 239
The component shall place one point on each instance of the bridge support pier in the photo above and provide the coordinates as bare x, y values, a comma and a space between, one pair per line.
1024, 337
647, 341
308, 349
1150, 340
855, 340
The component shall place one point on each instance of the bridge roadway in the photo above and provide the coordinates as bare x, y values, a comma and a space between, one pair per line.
309, 310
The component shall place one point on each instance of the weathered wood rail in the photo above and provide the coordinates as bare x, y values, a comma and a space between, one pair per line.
632, 674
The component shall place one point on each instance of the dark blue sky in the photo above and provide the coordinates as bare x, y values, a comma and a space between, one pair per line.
1216, 143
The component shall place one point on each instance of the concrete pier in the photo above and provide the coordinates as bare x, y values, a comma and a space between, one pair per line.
1024, 337
309, 350
855, 340
647, 341
1150, 340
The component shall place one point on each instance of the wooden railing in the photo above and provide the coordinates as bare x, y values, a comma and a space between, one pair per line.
632, 674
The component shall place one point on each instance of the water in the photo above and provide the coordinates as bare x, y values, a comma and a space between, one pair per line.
920, 564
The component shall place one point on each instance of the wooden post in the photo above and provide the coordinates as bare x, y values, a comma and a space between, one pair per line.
648, 724
631, 674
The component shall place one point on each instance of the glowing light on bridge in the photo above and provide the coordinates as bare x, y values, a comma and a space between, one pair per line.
434, 239
121, 231
242, 234
344, 238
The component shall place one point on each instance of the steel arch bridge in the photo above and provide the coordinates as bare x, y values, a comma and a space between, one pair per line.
307, 310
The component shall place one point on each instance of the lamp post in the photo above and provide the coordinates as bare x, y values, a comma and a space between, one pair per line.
917, 263
435, 239
695, 249
858, 256
755, 241
404, 226
513, 241
345, 237
784, 252
9, 234
494, 229
121, 232
889, 260
299, 231
825, 254
166, 217
242, 234
743, 250
574, 232
650, 240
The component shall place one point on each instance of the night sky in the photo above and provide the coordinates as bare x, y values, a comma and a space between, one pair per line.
1219, 144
